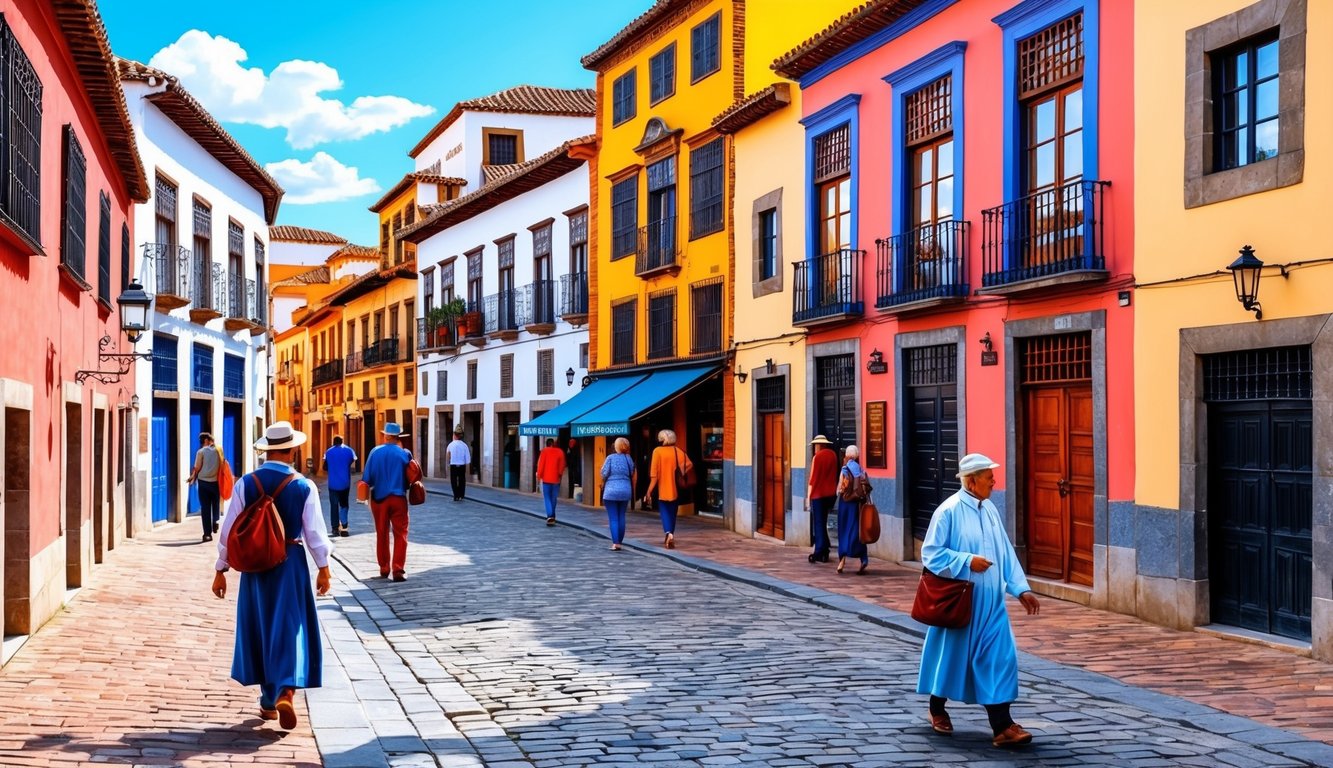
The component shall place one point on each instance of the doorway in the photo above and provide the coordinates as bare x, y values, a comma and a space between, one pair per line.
200, 421
163, 482
472, 428
230, 439
369, 434
931, 433
73, 495
15, 504
771, 404
101, 536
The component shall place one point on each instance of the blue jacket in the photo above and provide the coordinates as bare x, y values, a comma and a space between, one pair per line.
386, 471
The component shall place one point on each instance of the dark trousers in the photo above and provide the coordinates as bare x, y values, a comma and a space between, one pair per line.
819, 509
338, 508
209, 499
458, 480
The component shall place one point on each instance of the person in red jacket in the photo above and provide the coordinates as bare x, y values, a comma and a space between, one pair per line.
821, 494
550, 468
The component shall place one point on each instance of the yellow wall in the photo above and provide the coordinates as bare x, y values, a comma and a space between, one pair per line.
290, 346
1283, 225
398, 293
399, 206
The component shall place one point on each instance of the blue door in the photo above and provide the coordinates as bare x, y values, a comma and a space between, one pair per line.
231, 447
161, 460
198, 423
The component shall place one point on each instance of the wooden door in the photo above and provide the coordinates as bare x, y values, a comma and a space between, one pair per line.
931, 433
1060, 482
773, 468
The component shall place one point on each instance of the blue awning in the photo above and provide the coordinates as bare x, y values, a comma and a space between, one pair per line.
595, 394
613, 417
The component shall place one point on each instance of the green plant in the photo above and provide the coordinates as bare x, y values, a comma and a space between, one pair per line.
453, 308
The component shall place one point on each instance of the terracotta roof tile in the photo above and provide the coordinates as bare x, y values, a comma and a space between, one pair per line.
639, 25
354, 250
372, 280
85, 34
851, 28
186, 112
753, 107
414, 178
490, 173
314, 276
522, 99
291, 234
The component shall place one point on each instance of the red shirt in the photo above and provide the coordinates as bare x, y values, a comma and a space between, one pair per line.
550, 464
824, 474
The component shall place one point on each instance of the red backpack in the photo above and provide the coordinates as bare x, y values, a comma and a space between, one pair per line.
258, 540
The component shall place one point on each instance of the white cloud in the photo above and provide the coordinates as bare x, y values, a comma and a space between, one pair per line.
322, 180
288, 97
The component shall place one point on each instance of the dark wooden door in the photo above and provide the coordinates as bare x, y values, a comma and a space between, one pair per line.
773, 491
1260, 502
1060, 482
835, 395
932, 432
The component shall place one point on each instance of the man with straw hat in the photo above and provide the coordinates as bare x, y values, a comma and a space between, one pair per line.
386, 474
278, 646
821, 494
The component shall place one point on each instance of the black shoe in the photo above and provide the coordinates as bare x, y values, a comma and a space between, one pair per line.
208, 537
215, 527
399, 576
345, 532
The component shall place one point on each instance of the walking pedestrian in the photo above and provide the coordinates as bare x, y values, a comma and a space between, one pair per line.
386, 474
277, 645
849, 512
618, 483
338, 461
207, 461
459, 457
666, 463
978, 663
574, 460
820, 495
550, 468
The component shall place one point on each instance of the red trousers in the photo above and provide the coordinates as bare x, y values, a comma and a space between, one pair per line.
390, 513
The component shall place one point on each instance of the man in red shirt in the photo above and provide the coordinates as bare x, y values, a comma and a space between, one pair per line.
821, 494
550, 467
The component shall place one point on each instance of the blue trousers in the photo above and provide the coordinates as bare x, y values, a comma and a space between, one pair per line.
667, 509
338, 503
209, 500
615, 514
550, 493
819, 509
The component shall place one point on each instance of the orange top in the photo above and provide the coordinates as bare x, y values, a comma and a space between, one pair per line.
550, 464
663, 469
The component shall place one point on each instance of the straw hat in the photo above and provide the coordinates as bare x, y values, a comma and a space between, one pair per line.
974, 463
821, 440
280, 436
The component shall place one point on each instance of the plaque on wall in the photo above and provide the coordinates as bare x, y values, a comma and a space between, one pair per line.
877, 447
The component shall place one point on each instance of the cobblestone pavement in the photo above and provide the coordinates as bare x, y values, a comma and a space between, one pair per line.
551, 650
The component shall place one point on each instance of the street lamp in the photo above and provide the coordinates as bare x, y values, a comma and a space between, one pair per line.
569, 377
134, 305
1245, 271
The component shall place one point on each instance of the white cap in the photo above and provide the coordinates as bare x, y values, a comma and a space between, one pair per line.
974, 463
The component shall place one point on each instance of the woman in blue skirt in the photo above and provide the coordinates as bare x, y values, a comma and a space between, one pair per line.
849, 513
277, 631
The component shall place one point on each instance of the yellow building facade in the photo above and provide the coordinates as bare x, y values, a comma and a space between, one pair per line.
1233, 520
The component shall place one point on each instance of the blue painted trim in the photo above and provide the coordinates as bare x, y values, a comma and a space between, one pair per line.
897, 29
1026, 19
831, 112
844, 111
945, 60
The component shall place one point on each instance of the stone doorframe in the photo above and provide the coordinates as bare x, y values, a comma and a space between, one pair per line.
783, 371
498, 443
1317, 332
898, 534
1014, 447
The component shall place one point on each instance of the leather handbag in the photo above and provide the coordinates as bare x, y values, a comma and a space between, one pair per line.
869, 523
416, 490
942, 602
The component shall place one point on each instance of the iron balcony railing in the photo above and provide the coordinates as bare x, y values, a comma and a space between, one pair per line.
436, 335
471, 324
1044, 234
208, 287
171, 268
537, 303
828, 287
501, 312
929, 262
658, 247
574, 294
377, 353
327, 373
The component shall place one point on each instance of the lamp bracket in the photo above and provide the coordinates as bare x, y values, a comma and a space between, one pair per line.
124, 361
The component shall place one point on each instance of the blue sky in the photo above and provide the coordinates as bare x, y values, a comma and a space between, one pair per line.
262, 68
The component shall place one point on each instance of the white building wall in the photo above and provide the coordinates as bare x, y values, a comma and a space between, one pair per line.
301, 254
164, 148
511, 217
541, 134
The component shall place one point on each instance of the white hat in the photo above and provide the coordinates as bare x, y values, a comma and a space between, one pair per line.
280, 436
974, 463
821, 440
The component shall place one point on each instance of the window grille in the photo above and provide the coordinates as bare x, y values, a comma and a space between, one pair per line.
704, 49
164, 363
623, 315
235, 239
20, 137
932, 366
474, 265
74, 222
541, 244
662, 74
165, 199
662, 324
1052, 57
662, 174
203, 219
472, 379
104, 248
546, 371
833, 153
706, 307
771, 394
624, 217
502, 148
233, 376
623, 106
202, 371
578, 228
929, 111
835, 372
442, 385
1259, 374
446, 280
1054, 359
706, 188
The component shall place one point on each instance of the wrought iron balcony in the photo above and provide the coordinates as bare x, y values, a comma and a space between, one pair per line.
501, 313
171, 274
574, 298
471, 325
327, 373
208, 290
536, 307
381, 352
659, 249
284, 374
436, 335
1048, 237
926, 264
828, 288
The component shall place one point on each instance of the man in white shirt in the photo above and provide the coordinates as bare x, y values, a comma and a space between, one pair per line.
460, 456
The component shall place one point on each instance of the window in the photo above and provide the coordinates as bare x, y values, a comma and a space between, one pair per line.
261, 290
202, 220
507, 375
502, 148
622, 331
397, 244
442, 385
929, 132
578, 243
1245, 107
74, 212
428, 289
409, 381
164, 363
410, 329
767, 232
546, 371
623, 105
365, 389
474, 295
662, 74
706, 307
624, 217
1051, 89
164, 197
393, 385
583, 355
379, 387
472, 380
706, 190
233, 376
834, 189
541, 302
104, 249
446, 283
425, 383
662, 324
704, 49
384, 240
201, 379
21, 127
124, 256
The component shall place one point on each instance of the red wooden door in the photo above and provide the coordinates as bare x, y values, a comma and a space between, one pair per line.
1060, 482
773, 465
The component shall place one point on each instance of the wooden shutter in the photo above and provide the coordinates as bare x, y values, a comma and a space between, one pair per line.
546, 371
507, 375
1052, 57
929, 111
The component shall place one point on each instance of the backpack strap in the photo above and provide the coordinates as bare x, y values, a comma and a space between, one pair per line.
283, 484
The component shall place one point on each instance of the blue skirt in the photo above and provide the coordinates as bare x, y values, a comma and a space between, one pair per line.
277, 628
849, 530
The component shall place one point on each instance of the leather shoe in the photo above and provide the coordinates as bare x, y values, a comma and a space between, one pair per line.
941, 724
286, 709
399, 576
268, 714
1012, 736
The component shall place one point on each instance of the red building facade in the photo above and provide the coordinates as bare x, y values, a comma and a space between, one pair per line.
966, 285
71, 175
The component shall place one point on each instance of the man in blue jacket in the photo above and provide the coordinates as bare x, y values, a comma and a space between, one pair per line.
338, 461
386, 474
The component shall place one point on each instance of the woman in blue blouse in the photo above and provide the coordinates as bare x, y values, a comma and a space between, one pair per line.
849, 513
618, 477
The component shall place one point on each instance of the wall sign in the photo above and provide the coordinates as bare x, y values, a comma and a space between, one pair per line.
990, 358
877, 447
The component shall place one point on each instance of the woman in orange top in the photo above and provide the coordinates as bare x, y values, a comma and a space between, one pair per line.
667, 459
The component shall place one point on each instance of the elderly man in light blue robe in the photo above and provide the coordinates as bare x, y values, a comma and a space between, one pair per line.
978, 663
